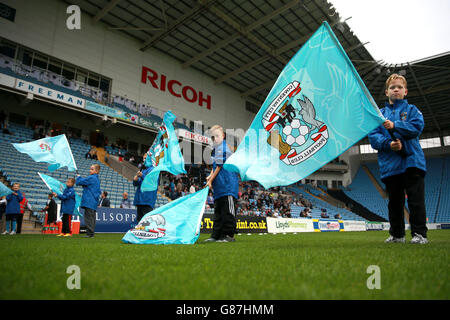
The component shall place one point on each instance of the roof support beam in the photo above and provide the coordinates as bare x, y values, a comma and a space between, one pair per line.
427, 104
266, 85
105, 10
201, 5
246, 30
242, 30
278, 52
438, 89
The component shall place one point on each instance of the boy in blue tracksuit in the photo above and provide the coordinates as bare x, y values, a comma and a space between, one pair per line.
402, 162
90, 197
12, 210
67, 207
225, 186
144, 201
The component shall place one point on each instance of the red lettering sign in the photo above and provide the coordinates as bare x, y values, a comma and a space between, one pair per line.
175, 88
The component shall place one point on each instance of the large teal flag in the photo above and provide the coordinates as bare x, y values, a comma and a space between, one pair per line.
317, 109
178, 222
53, 150
4, 190
164, 154
57, 187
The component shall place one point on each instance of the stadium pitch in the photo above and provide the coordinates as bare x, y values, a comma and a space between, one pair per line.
268, 266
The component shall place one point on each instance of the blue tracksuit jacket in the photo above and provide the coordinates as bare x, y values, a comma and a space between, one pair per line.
408, 125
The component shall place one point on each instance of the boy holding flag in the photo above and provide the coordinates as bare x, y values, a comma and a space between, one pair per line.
225, 186
402, 162
90, 197
67, 207
143, 200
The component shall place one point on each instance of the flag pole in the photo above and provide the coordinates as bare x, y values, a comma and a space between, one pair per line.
45, 181
70, 149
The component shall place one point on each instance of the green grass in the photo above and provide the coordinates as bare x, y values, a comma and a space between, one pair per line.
291, 266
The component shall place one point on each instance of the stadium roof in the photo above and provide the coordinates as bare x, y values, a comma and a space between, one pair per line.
246, 43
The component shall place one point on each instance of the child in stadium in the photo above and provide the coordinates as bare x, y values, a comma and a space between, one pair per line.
12, 209
225, 186
67, 207
51, 209
144, 201
90, 197
402, 162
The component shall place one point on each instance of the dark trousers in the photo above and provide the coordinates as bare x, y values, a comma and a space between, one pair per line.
19, 223
51, 217
89, 221
141, 211
224, 217
412, 184
66, 221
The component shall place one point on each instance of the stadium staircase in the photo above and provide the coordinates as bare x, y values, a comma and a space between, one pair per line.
380, 189
355, 206
101, 155
323, 195
318, 205
375, 182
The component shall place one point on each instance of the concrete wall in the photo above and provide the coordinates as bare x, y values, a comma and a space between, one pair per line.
41, 25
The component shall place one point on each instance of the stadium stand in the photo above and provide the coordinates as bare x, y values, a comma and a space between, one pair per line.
57, 82
363, 191
443, 212
319, 204
32, 185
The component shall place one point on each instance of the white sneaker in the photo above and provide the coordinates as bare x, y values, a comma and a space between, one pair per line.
12, 232
418, 238
6, 232
392, 239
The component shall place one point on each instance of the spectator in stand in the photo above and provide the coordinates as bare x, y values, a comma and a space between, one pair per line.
179, 188
276, 214
192, 188
324, 214
2, 119
104, 201
303, 213
210, 200
126, 203
6, 130
172, 189
337, 216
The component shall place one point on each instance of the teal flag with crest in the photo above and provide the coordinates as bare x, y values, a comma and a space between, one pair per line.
52, 150
177, 222
317, 109
164, 154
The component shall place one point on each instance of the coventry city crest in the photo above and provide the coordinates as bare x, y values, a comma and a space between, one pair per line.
150, 227
158, 147
294, 129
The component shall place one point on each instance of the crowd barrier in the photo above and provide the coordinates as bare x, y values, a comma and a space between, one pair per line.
116, 220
